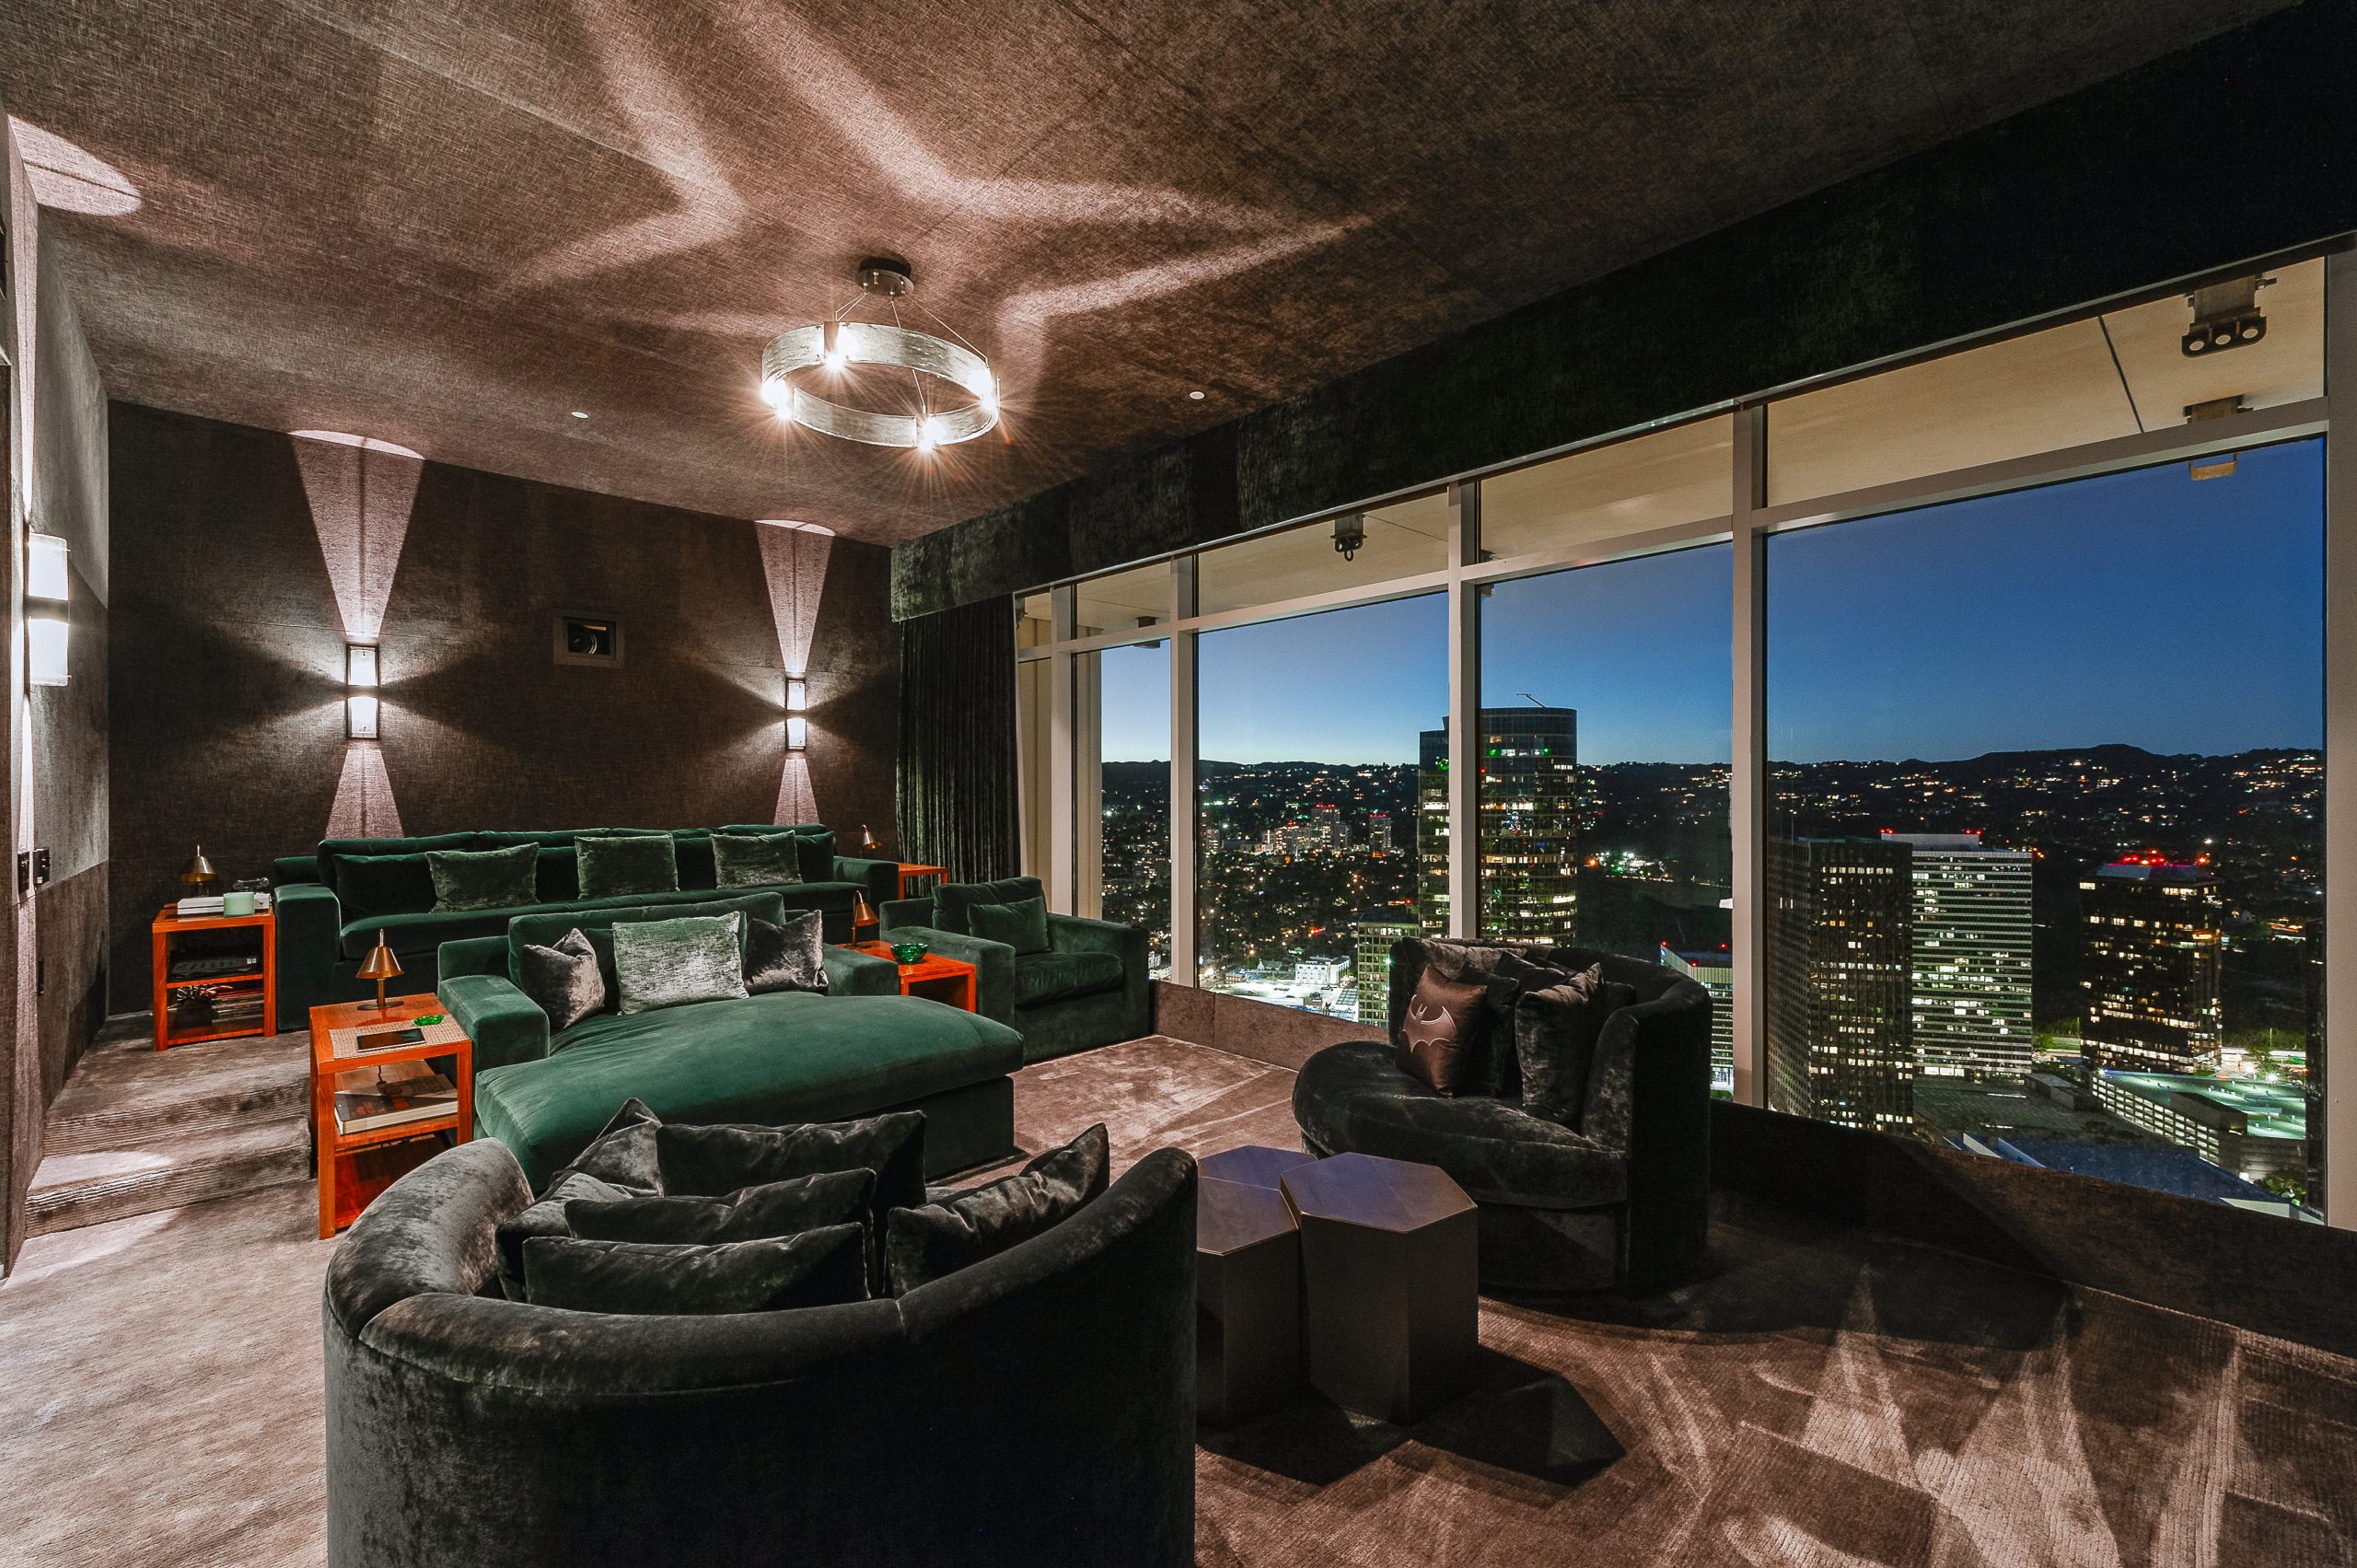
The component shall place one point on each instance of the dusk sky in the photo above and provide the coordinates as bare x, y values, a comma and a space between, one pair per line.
2143, 607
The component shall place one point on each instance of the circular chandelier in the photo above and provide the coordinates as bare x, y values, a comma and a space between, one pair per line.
935, 364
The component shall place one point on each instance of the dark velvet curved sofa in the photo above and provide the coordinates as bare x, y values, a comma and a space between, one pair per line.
1038, 1407
1622, 1195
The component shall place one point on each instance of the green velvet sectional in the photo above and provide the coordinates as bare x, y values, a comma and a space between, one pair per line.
1089, 988
330, 905
781, 1057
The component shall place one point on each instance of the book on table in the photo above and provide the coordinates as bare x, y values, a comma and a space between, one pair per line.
370, 1098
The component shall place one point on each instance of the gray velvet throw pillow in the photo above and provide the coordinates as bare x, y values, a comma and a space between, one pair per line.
755, 860
546, 1217
924, 1243
817, 1268
625, 864
778, 1208
711, 1160
669, 963
1555, 1031
484, 879
787, 957
1022, 926
562, 980
623, 1152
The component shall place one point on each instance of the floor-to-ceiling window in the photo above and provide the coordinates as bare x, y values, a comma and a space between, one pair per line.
1605, 741
2045, 823
1313, 733
1957, 723
1131, 869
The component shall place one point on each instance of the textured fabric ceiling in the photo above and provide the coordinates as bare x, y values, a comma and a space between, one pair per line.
448, 223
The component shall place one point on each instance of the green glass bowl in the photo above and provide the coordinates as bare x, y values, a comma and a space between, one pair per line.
908, 952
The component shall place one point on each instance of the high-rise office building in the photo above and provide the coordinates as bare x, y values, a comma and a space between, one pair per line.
1841, 963
1371, 937
1531, 802
1326, 826
1715, 973
2155, 938
1972, 996
1378, 832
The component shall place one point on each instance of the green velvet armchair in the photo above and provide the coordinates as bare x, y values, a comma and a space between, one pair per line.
1088, 988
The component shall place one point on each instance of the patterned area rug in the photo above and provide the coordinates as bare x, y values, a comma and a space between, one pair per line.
1823, 1397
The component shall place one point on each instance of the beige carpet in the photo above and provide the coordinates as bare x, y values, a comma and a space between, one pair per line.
1822, 1399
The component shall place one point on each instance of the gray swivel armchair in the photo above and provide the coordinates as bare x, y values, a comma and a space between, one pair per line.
1620, 1194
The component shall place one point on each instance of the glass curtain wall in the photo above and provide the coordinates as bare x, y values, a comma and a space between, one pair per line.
1607, 742
1125, 830
1307, 794
2045, 823
2033, 829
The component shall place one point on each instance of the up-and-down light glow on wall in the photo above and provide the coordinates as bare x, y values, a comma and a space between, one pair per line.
361, 490
793, 559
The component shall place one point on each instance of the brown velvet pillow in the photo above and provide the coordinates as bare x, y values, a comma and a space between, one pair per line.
1441, 1034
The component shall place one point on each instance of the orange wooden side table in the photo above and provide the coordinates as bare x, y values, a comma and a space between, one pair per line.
243, 983
933, 976
354, 1167
912, 872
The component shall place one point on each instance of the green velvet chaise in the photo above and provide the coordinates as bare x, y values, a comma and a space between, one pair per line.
1089, 989
781, 1057
330, 905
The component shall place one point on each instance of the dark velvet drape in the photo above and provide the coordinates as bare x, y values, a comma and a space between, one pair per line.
957, 761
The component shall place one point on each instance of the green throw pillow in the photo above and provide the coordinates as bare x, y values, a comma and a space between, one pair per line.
669, 963
1022, 926
626, 864
483, 879
755, 860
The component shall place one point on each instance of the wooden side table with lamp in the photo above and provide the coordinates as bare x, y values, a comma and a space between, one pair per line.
227, 993
394, 1124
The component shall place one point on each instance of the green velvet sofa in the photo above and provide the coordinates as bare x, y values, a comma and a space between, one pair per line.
787, 1056
1089, 989
331, 904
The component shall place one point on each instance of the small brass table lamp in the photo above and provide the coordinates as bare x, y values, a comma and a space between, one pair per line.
867, 840
380, 966
200, 870
861, 914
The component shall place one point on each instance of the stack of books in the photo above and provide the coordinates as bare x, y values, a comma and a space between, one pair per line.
225, 1009
209, 904
399, 1092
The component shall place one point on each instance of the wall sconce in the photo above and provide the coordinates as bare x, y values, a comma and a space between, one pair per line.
798, 704
360, 691
48, 627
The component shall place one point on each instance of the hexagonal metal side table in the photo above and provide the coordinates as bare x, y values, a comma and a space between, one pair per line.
1253, 1164
1391, 1304
1248, 1301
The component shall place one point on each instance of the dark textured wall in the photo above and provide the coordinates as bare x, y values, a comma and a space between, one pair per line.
69, 722
226, 702
2090, 197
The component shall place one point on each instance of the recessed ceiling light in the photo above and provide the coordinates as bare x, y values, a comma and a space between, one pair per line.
1197, 397
578, 414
